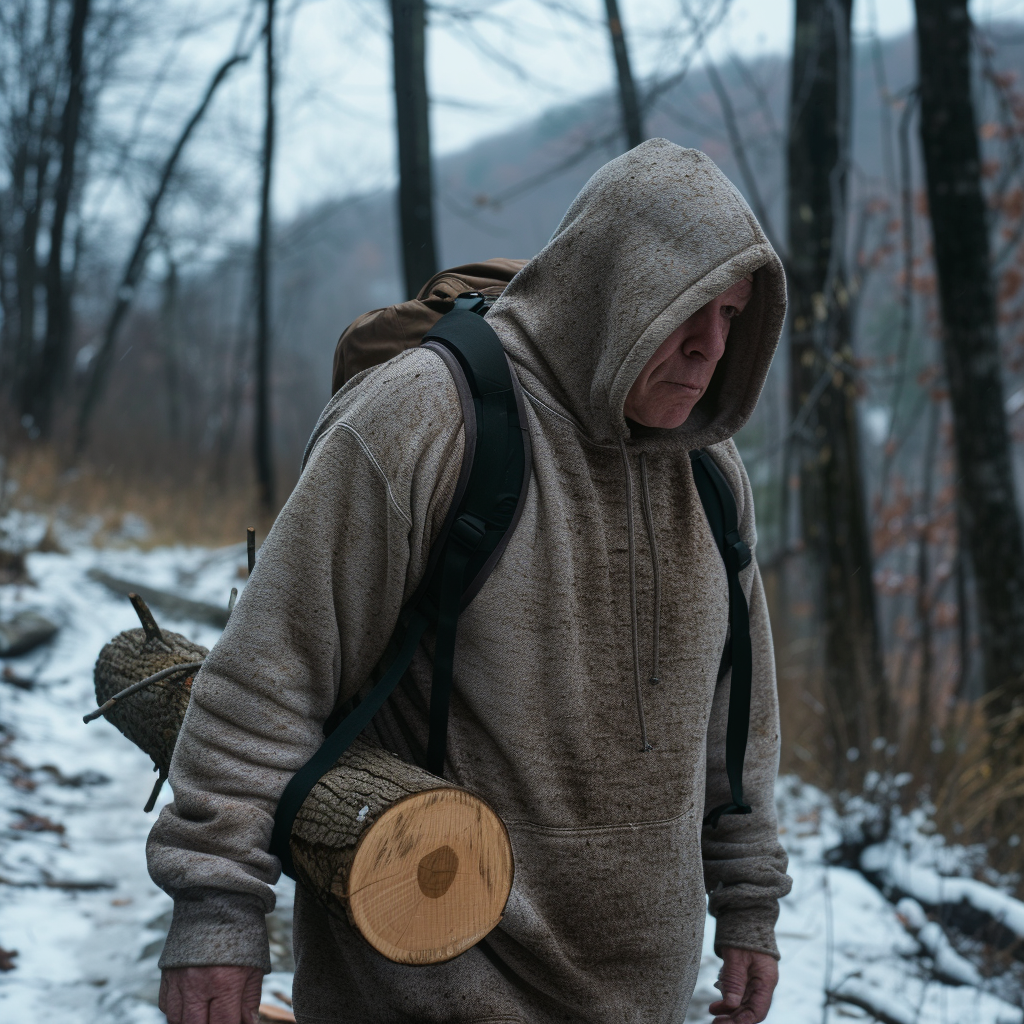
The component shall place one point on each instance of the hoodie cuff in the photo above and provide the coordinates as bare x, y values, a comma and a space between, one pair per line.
746, 929
217, 929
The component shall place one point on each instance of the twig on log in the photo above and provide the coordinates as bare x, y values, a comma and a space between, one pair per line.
185, 666
146, 618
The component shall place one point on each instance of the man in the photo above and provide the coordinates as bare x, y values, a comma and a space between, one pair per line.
588, 707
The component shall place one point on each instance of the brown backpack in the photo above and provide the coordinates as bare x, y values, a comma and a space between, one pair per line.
380, 334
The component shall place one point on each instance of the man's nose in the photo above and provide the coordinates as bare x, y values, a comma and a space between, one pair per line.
707, 339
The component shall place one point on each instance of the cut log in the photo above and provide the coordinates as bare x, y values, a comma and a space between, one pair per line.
150, 717
421, 869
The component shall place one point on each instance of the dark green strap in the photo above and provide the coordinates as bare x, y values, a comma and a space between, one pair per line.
302, 782
720, 509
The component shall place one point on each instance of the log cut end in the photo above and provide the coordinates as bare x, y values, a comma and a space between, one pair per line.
422, 870
431, 878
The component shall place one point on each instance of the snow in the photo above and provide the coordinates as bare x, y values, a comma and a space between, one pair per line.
898, 868
77, 903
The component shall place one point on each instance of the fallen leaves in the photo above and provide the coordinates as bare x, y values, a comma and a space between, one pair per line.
36, 823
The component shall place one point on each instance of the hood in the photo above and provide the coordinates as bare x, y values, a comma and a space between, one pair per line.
653, 236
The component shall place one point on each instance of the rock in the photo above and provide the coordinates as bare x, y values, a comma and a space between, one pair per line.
24, 631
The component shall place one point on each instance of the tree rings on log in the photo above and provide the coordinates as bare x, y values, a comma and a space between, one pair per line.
422, 870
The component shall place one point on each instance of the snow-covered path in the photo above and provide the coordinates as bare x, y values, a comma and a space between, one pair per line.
77, 903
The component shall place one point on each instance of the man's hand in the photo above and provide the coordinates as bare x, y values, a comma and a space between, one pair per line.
211, 995
746, 981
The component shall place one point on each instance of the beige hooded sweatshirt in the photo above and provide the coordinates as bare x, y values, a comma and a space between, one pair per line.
611, 577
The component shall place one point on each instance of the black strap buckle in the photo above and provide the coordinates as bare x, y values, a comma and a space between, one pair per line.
738, 549
468, 530
472, 302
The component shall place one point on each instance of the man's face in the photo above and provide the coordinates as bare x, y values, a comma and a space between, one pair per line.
679, 372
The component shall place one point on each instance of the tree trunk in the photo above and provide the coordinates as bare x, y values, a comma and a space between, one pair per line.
988, 509
822, 391
421, 869
263, 452
51, 365
632, 121
169, 336
415, 181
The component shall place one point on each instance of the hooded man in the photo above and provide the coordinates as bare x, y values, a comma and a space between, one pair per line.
588, 706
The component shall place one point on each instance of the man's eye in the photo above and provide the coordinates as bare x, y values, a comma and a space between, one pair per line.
729, 312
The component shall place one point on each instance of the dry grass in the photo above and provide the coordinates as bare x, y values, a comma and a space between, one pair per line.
970, 770
193, 511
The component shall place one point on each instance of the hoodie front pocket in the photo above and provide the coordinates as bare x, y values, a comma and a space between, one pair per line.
606, 913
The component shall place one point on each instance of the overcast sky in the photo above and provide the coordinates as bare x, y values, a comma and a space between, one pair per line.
507, 64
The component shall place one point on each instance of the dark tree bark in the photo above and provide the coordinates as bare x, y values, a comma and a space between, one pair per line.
169, 338
632, 120
822, 391
263, 443
415, 179
988, 509
50, 367
132, 273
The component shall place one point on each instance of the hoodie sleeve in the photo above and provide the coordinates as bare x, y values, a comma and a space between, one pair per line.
346, 551
744, 863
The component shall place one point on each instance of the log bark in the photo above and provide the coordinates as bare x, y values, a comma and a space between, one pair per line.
422, 870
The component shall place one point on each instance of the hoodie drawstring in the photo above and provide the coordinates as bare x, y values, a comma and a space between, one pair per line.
649, 516
631, 544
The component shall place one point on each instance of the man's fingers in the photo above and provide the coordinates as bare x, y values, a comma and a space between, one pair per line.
251, 998
225, 1009
196, 1010
759, 996
170, 998
732, 983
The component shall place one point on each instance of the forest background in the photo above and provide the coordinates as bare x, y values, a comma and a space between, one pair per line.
195, 200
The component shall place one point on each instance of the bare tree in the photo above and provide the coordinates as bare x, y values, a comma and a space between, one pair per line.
822, 383
40, 64
988, 510
415, 176
50, 364
132, 273
632, 119
262, 439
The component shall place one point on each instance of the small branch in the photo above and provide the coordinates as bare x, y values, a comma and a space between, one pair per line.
185, 666
739, 150
146, 618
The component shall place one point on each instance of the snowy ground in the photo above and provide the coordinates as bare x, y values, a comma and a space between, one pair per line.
87, 923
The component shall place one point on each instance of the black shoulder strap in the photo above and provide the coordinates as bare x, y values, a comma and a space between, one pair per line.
720, 508
478, 528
